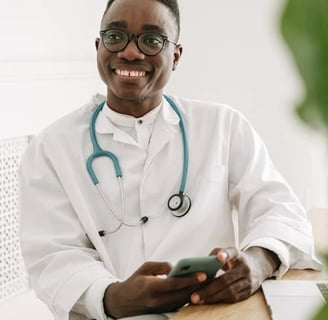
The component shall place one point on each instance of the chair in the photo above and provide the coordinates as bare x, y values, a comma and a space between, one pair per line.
13, 278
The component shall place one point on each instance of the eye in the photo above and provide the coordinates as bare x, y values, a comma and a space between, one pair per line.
114, 36
152, 40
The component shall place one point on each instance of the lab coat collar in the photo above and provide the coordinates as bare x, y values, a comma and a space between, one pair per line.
165, 128
169, 114
104, 126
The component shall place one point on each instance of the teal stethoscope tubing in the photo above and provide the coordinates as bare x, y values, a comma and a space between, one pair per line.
184, 143
99, 152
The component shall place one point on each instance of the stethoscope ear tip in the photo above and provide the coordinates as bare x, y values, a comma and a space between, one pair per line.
144, 219
102, 233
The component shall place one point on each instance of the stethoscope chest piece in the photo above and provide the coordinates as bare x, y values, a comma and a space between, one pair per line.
179, 204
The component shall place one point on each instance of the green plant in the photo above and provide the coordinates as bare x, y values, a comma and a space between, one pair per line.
304, 26
322, 314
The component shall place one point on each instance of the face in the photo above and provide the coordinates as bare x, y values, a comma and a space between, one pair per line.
135, 81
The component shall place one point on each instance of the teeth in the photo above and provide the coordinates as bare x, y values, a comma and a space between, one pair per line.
133, 73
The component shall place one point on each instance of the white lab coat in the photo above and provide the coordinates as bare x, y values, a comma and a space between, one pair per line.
62, 212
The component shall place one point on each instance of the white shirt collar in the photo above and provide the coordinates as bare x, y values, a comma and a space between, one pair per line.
124, 120
104, 125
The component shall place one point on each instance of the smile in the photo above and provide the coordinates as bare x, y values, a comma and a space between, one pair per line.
130, 73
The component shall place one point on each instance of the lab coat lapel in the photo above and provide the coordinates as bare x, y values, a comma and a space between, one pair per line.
104, 126
166, 128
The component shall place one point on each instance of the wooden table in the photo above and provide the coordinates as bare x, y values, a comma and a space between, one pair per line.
254, 308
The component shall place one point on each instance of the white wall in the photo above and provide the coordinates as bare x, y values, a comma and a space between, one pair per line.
232, 53
47, 60
47, 68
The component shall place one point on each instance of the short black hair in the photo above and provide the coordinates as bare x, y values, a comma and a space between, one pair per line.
171, 4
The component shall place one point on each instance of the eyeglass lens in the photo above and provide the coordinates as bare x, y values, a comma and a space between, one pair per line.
149, 43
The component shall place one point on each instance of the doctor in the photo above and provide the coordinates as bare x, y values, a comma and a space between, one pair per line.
116, 192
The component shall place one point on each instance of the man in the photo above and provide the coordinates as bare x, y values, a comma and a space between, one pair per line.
96, 248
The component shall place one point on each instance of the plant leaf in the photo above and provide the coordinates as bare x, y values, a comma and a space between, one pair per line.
322, 313
304, 26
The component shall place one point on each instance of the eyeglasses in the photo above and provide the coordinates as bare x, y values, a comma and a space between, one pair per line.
149, 43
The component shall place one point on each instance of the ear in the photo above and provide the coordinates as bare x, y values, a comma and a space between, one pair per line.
97, 41
177, 55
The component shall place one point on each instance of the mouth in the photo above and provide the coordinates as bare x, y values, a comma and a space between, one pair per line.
132, 74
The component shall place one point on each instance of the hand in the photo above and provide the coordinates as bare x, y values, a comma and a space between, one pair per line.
145, 292
244, 274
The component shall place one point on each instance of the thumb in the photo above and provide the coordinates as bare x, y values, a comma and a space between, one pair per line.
229, 256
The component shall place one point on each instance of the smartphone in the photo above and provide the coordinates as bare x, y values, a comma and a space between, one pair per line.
209, 265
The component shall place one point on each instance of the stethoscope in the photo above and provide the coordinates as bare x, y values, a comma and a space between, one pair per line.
179, 203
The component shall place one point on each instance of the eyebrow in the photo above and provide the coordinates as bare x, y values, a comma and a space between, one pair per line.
123, 25
116, 24
152, 27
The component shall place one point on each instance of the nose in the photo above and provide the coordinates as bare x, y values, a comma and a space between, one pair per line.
131, 52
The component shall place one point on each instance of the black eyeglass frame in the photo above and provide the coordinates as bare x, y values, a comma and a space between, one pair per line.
136, 37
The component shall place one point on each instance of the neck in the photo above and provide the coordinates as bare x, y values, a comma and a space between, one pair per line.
136, 107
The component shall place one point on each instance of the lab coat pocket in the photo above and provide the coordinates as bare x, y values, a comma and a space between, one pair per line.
216, 183
216, 173
209, 195
213, 182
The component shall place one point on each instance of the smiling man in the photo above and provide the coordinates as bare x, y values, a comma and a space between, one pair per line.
137, 53
116, 192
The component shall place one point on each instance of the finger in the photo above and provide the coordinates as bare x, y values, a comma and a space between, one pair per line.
236, 291
214, 251
223, 283
228, 298
229, 253
172, 293
154, 268
185, 282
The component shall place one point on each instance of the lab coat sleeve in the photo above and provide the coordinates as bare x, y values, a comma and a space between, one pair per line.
61, 261
285, 252
282, 250
266, 205
90, 303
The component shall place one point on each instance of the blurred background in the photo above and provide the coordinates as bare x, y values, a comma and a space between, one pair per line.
233, 53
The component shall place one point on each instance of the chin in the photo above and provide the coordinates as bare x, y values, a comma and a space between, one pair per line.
130, 96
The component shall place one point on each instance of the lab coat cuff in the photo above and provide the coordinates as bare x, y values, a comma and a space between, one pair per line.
279, 248
70, 294
297, 238
93, 299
